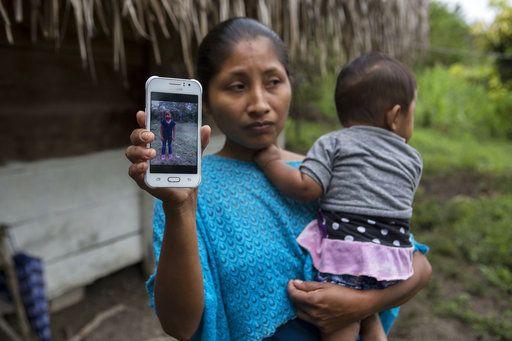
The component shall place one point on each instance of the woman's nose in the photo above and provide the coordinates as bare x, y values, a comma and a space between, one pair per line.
258, 102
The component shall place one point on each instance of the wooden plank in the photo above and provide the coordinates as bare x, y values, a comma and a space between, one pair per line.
85, 267
59, 234
32, 191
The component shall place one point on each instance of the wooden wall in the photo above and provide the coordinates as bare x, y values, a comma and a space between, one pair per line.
81, 215
50, 107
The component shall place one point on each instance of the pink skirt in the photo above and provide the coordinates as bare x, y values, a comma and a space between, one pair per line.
342, 257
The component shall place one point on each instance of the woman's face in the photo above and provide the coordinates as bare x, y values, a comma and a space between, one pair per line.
250, 96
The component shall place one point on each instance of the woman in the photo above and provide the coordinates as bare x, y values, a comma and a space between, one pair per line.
228, 264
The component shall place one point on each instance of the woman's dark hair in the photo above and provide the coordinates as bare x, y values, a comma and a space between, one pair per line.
220, 41
371, 85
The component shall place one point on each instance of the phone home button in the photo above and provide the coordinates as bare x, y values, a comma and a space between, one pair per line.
173, 179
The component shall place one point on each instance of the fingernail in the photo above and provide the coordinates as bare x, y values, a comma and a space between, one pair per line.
298, 281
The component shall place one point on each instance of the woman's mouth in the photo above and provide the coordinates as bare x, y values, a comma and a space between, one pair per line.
260, 127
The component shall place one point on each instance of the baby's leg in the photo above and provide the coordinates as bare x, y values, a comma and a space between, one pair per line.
371, 329
349, 333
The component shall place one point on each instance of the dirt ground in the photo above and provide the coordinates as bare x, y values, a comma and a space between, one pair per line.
138, 322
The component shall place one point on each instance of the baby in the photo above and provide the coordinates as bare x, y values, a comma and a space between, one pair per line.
365, 176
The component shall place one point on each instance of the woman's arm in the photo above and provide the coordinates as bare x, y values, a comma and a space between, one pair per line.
178, 284
179, 292
331, 307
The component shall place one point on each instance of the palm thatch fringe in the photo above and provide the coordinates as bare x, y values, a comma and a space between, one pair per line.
315, 30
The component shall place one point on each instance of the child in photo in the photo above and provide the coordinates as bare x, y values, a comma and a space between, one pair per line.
365, 176
167, 135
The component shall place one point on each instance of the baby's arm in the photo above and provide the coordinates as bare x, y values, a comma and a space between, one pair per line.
289, 181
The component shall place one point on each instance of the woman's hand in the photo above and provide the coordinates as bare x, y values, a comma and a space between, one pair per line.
331, 306
138, 154
328, 306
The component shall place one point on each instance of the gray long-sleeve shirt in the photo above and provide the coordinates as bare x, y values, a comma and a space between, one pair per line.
365, 170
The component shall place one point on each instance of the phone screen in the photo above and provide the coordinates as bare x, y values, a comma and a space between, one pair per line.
174, 121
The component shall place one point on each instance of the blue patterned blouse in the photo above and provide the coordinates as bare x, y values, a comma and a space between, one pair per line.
246, 234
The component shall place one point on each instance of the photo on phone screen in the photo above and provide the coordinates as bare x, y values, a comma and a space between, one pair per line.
174, 121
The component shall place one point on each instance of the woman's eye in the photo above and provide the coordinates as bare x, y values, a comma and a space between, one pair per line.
273, 82
236, 87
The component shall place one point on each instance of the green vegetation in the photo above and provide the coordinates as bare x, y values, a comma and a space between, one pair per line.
498, 38
499, 327
443, 153
471, 255
443, 20
460, 100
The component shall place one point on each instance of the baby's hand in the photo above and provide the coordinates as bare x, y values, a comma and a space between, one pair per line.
267, 155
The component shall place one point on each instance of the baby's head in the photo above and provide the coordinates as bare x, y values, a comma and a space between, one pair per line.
376, 90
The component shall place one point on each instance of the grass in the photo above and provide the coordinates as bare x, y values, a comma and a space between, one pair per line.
445, 153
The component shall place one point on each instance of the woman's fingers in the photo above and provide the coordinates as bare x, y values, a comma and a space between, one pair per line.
138, 154
136, 172
308, 285
303, 315
303, 300
141, 137
141, 118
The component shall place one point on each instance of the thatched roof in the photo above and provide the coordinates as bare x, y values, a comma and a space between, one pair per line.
313, 29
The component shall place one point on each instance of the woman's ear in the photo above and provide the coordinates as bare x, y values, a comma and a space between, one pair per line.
392, 117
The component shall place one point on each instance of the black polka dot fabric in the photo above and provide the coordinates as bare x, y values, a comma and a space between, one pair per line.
351, 227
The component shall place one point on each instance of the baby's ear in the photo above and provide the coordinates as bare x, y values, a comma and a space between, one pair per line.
392, 117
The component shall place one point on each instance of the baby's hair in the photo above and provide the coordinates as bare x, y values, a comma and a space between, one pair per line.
369, 86
218, 44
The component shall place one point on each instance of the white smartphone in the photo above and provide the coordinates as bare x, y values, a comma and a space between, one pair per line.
173, 114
